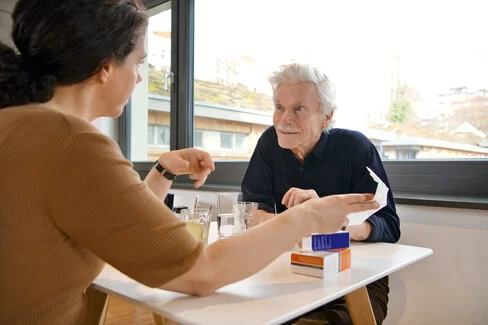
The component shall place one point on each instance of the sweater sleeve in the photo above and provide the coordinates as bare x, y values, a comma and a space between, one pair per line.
100, 202
385, 224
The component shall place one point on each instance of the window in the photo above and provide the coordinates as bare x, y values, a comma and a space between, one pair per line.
224, 144
151, 135
407, 77
240, 141
158, 136
150, 103
225, 141
197, 139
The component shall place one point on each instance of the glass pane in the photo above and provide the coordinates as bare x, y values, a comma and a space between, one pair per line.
240, 142
406, 76
151, 98
225, 141
150, 135
162, 136
197, 139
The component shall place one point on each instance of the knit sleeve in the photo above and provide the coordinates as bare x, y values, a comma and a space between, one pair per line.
99, 201
385, 223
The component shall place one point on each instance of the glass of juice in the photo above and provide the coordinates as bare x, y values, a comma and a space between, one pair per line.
197, 222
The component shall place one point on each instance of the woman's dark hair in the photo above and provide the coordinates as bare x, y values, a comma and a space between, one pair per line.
63, 43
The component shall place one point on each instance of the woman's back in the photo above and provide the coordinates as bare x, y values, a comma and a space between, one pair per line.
43, 271
70, 200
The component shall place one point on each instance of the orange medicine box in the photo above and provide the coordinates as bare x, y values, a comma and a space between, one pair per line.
321, 264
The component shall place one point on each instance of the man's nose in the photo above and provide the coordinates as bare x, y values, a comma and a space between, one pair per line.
288, 116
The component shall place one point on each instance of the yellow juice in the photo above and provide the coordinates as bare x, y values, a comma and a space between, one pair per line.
196, 229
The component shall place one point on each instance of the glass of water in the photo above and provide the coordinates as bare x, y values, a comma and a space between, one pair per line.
226, 218
245, 216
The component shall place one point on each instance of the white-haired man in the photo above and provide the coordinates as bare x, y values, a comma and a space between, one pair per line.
301, 157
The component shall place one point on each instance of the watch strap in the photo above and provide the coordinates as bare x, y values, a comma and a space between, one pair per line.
163, 171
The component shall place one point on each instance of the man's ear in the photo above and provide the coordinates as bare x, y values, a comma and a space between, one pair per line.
328, 119
105, 71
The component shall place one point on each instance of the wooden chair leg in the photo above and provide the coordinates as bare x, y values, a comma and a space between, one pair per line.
160, 320
97, 303
138, 317
359, 307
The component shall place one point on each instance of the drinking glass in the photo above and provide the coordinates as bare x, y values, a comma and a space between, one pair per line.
225, 212
197, 222
245, 216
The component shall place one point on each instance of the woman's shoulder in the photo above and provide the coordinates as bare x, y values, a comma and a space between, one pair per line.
30, 128
45, 121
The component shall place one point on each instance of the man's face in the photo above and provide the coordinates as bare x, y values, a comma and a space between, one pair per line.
297, 118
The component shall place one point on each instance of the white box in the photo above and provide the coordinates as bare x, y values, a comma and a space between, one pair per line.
322, 264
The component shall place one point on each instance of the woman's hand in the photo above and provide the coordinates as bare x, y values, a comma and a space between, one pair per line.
260, 245
198, 164
329, 213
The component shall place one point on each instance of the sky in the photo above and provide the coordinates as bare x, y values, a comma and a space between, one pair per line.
441, 44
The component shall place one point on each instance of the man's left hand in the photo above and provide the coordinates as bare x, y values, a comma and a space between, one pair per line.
359, 232
295, 196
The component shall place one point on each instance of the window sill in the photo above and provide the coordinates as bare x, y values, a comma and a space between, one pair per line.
442, 201
400, 198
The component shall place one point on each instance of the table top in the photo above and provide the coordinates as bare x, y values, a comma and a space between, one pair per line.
272, 296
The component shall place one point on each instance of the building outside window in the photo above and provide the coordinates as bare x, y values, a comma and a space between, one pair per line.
418, 88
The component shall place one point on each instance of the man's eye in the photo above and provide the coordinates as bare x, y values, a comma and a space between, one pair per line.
278, 107
299, 109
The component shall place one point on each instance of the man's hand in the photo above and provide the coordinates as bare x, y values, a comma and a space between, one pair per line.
359, 232
198, 164
295, 196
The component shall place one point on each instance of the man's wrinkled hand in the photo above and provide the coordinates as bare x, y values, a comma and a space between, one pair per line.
295, 196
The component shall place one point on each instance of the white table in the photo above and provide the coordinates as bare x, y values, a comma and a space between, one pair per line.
274, 295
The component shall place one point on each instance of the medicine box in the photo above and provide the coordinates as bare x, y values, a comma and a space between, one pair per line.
321, 264
322, 242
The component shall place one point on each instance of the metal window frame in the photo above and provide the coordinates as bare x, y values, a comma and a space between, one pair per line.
182, 66
154, 3
442, 183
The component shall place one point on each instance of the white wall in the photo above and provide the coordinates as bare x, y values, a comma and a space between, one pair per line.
448, 287
187, 198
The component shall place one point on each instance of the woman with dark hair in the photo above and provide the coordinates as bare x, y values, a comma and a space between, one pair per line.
70, 201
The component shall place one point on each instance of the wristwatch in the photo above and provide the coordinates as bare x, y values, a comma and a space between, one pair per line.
163, 171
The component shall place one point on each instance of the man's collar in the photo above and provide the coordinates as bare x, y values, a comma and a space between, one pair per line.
319, 149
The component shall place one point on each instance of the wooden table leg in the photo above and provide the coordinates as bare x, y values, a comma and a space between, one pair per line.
160, 320
97, 303
359, 307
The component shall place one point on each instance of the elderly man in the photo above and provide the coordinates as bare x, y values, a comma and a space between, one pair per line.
300, 158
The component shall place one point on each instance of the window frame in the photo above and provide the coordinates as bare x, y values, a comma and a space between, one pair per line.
452, 183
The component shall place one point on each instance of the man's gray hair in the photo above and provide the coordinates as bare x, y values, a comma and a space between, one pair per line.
295, 72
